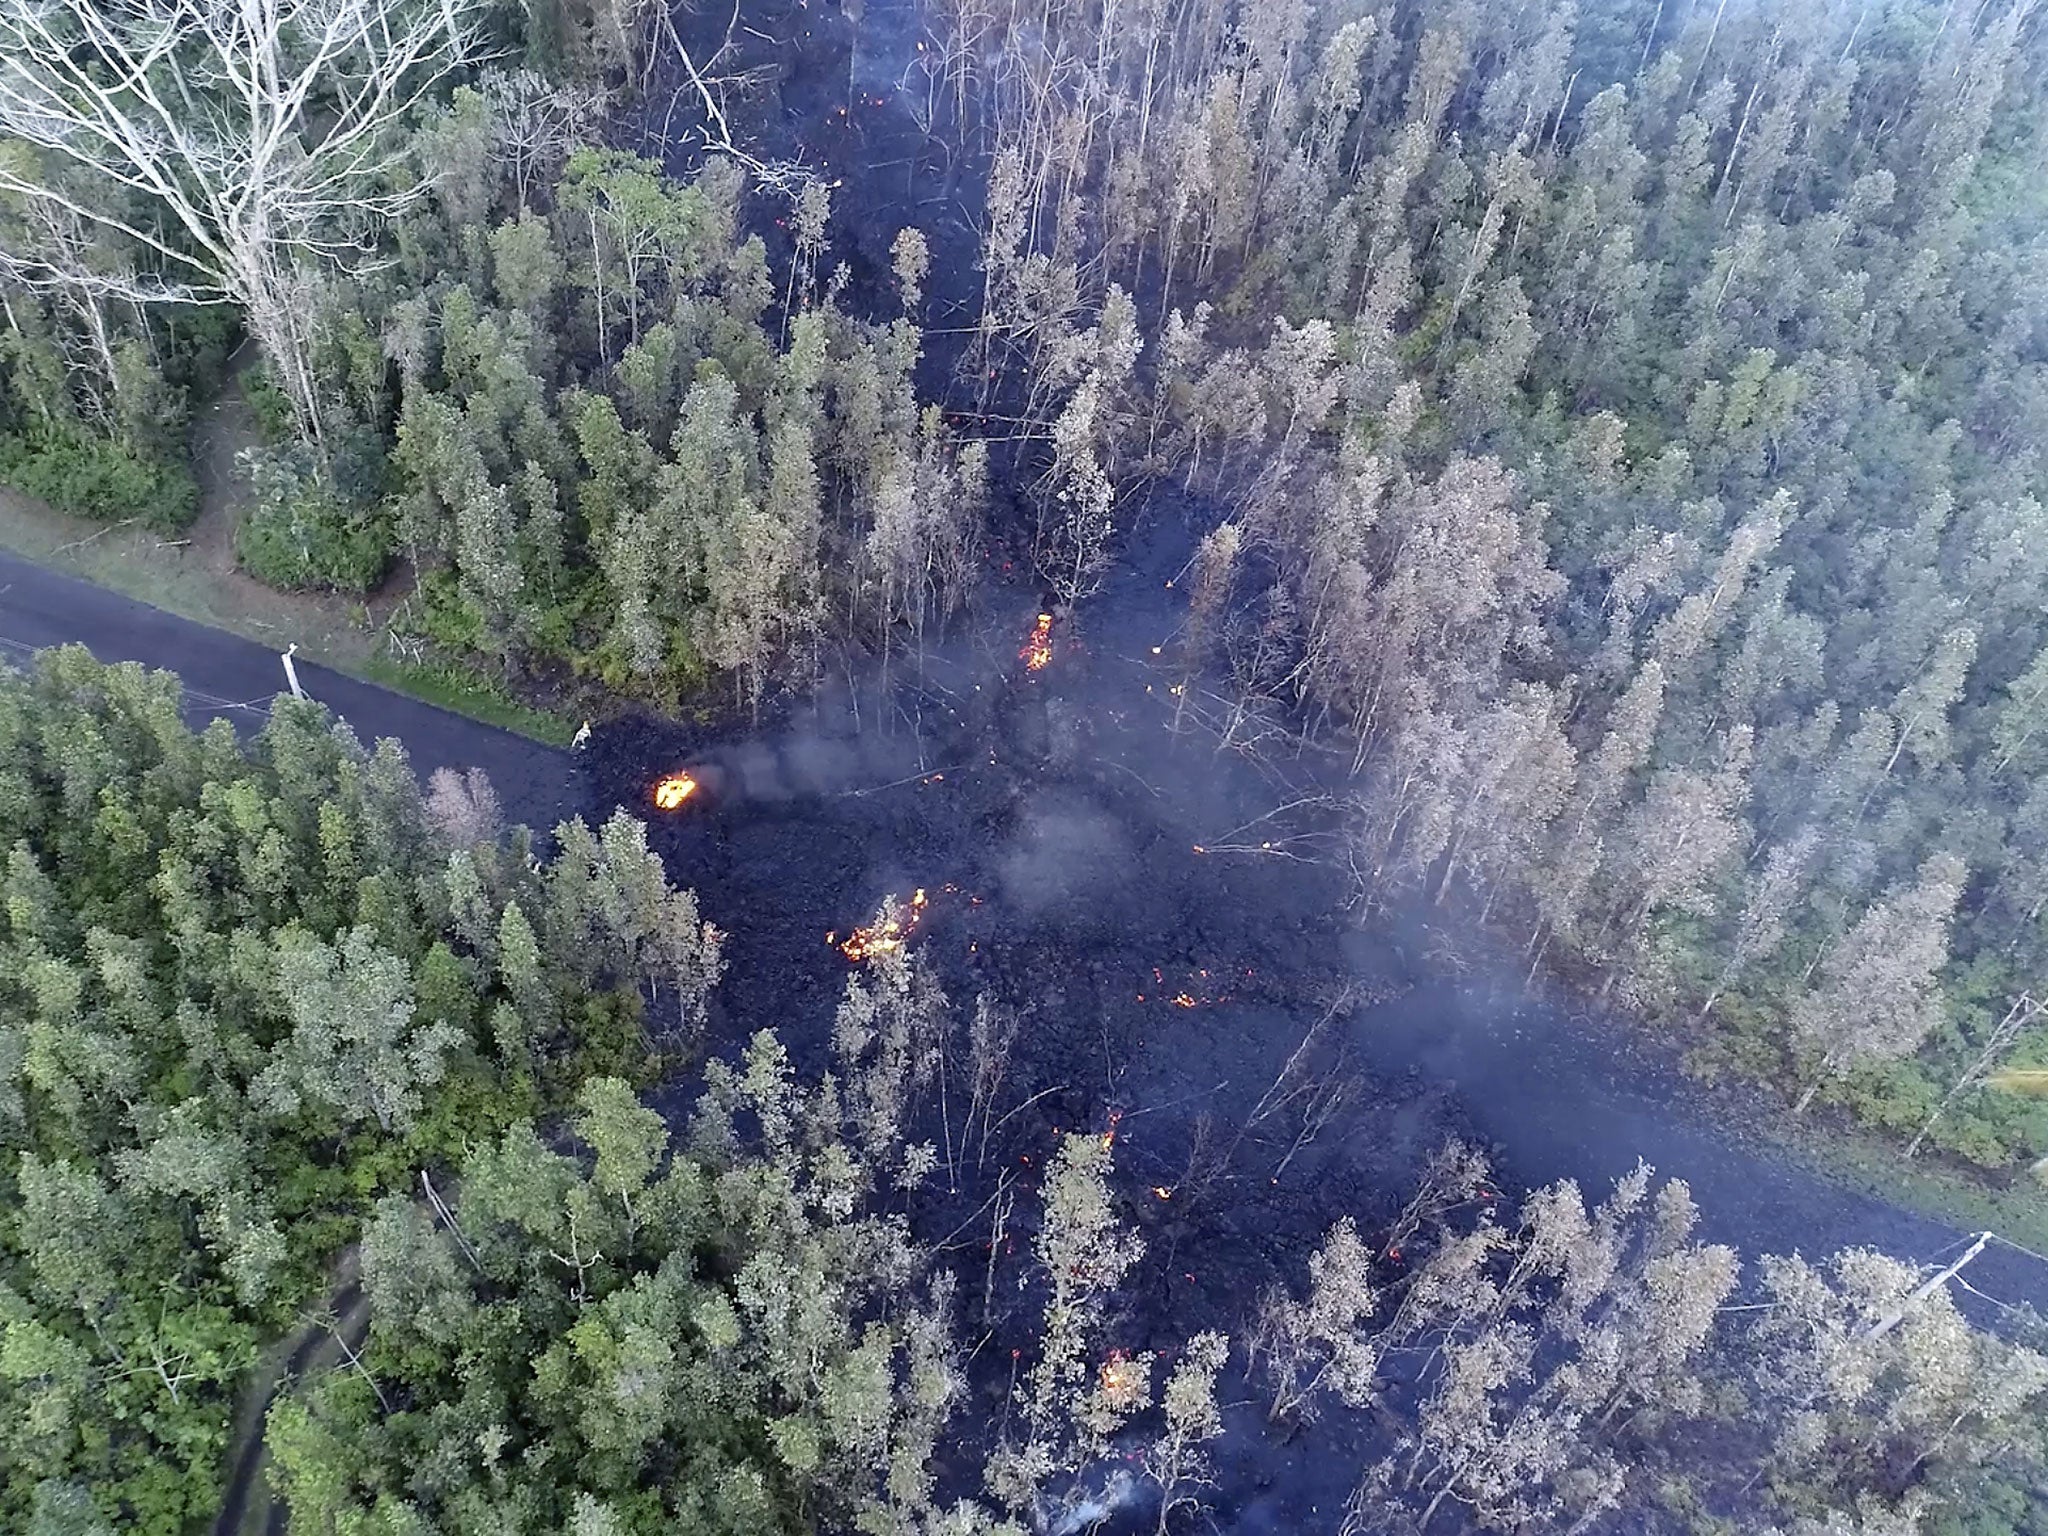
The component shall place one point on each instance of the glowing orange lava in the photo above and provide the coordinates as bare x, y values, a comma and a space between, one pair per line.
1200, 990
672, 791
888, 933
1037, 652
1122, 1378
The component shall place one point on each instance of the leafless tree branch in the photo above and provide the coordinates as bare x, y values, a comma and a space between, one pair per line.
243, 144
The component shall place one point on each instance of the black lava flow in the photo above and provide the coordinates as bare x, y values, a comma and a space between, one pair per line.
1053, 821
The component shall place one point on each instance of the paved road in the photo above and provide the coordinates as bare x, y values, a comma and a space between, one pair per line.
236, 679
1561, 1102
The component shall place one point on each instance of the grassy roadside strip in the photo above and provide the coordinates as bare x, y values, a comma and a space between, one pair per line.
453, 687
172, 575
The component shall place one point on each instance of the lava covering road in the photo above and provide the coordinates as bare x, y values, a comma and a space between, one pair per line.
1046, 839
1052, 821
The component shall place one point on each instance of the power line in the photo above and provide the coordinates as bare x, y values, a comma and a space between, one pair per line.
2003, 1306
1926, 1288
2038, 1258
195, 696
1941, 1253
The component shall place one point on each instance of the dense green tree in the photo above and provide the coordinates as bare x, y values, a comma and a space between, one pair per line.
240, 1017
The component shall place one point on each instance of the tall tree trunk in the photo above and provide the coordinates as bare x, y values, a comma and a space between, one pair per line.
278, 315
1707, 52
1650, 41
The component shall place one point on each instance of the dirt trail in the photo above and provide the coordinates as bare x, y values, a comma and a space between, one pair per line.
220, 431
194, 572
250, 1507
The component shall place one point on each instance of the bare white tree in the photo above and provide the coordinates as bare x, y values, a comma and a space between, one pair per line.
245, 145
537, 122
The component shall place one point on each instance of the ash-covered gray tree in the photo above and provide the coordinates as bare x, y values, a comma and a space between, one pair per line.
1073, 1405
1878, 995
1864, 1360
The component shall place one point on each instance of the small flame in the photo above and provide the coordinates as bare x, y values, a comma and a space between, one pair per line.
1037, 652
887, 934
1109, 1136
672, 791
1197, 991
1162, 1192
1121, 1378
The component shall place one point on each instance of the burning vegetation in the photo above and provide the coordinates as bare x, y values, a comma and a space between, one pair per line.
893, 924
671, 793
1037, 652
889, 932
1572, 1360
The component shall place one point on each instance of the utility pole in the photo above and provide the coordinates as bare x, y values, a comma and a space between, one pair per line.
1893, 1318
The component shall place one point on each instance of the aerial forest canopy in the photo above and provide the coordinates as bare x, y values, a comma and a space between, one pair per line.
304, 1070
1609, 439
1618, 426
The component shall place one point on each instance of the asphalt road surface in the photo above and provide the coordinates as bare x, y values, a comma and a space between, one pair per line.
1560, 1101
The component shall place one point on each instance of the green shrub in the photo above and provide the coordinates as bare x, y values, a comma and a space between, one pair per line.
448, 618
86, 475
455, 687
275, 419
300, 532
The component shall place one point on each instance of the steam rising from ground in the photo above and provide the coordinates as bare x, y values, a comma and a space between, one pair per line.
1066, 814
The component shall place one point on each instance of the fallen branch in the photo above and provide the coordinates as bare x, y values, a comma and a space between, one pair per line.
786, 178
65, 549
